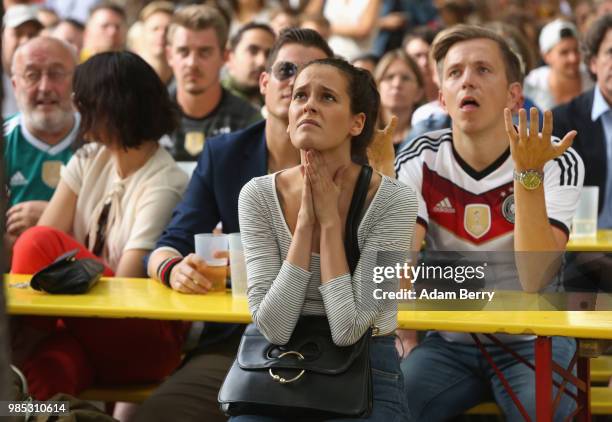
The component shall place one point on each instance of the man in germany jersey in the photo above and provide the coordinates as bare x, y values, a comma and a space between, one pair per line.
37, 141
485, 185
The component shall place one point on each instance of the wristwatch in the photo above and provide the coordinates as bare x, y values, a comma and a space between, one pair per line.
530, 179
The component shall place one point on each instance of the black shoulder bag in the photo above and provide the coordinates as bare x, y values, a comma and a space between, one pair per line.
68, 275
309, 376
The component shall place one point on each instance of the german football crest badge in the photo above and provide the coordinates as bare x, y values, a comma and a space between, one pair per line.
477, 219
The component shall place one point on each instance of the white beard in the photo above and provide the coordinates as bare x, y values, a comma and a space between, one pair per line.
51, 122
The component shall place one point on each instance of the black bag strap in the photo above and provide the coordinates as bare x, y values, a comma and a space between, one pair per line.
351, 245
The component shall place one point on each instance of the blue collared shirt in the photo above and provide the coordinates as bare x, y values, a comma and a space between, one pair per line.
602, 109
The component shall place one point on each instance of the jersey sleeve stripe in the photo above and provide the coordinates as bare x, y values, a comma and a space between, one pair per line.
402, 158
559, 225
574, 159
570, 169
562, 176
414, 145
422, 222
568, 162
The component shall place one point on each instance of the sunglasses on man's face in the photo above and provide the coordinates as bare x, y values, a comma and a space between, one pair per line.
284, 70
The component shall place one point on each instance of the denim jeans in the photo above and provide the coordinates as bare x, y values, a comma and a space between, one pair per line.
387, 386
444, 379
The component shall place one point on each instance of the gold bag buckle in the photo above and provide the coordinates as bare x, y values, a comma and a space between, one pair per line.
282, 380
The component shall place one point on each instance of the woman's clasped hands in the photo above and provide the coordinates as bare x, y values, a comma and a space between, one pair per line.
321, 191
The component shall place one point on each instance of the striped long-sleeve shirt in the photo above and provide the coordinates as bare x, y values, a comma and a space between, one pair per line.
279, 292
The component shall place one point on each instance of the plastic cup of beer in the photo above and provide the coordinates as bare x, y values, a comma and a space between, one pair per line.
213, 249
238, 266
584, 224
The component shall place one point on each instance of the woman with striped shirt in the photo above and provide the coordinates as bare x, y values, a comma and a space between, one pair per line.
292, 224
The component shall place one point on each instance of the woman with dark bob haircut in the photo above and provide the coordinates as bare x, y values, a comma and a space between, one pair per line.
113, 200
293, 229
117, 93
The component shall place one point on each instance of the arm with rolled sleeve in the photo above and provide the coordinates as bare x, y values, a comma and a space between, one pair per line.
349, 303
276, 288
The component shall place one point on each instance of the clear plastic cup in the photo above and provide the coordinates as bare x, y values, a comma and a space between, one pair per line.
584, 224
237, 265
208, 246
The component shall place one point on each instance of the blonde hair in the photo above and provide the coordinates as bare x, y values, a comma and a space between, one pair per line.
155, 7
199, 18
459, 33
389, 58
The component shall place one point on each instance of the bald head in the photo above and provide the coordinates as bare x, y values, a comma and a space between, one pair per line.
42, 72
45, 48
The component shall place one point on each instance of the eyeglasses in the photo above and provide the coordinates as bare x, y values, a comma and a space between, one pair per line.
284, 70
33, 76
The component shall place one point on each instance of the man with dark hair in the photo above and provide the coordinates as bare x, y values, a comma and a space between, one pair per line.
417, 46
105, 30
561, 79
305, 38
248, 52
591, 115
196, 53
484, 186
227, 163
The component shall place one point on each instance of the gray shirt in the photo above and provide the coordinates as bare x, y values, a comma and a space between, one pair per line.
280, 292
231, 114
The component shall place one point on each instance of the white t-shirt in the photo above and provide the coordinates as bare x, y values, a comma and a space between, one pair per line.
142, 203
347, 12
425, 111
468, 210
537, 89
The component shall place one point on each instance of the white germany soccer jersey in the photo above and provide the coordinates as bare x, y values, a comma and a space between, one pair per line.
468, 210
464, 209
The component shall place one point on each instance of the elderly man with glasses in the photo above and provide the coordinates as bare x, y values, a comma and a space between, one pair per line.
37, 140
227, 163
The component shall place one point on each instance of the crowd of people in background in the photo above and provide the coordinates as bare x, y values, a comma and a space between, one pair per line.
131, 126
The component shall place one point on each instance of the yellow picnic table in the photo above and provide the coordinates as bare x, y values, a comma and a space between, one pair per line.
146, 298
126, 298
601, 243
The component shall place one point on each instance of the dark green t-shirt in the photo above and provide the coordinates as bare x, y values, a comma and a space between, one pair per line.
32, 167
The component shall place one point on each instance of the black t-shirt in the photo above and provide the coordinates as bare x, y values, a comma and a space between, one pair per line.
231, 114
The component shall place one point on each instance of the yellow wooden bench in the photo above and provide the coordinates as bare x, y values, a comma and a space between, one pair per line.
601, 398
601, 369
601, 404
132, 393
